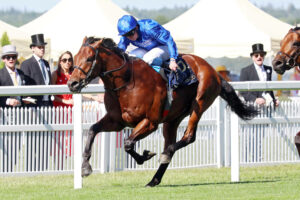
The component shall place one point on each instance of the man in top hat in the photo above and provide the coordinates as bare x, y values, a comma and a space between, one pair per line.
11, 76
257, 71
38, 69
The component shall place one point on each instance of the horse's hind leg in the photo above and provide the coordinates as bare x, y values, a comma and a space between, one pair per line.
297, 142
169, 132
105, 124
189, 136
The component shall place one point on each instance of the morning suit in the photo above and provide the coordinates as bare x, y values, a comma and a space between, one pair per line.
33, 72
249, 73
5, 80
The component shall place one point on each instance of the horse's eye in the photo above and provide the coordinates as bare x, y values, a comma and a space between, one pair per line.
297, 44
91, 59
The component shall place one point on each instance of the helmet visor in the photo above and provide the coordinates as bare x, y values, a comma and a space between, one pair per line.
130, 33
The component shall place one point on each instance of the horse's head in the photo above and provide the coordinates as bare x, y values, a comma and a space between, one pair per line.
92, 60
289, 54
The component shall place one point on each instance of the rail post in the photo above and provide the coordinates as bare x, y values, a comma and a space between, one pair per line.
235, 161
77, 116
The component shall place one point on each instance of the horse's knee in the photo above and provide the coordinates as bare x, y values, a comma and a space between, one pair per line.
128, 144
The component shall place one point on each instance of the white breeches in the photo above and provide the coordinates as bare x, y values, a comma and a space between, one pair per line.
161, 52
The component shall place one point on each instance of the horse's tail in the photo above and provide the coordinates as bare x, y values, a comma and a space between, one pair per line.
243, 110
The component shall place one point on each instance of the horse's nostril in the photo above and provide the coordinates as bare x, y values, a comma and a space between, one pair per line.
277, 63
74, 83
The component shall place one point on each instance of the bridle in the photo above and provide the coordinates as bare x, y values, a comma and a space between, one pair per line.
292, 59
102, 74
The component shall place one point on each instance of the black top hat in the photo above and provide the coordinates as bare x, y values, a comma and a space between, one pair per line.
258, 48
37, 40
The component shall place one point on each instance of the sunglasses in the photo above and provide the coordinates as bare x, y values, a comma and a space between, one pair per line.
10, 57
259, 54
130, 33
65, 60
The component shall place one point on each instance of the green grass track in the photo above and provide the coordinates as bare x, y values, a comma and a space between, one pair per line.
263, 182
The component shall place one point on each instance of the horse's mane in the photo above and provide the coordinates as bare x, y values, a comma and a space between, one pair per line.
296, 28
110, 44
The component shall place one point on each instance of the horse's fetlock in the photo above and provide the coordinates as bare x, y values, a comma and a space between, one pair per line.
86, 155
171, 150
128, 145
191, 139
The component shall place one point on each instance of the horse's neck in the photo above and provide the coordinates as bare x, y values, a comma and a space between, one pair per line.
119, 78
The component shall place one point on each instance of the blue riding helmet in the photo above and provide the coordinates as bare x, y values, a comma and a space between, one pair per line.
126, 24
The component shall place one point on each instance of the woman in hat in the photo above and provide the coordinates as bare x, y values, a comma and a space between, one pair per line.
222, 70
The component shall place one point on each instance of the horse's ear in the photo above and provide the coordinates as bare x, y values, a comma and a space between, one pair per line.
84, 39
108, 42
98, 42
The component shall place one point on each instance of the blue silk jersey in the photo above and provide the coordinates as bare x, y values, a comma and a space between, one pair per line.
151, 35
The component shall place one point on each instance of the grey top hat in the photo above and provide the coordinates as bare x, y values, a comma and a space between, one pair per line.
8, 50
258, 48
37, 40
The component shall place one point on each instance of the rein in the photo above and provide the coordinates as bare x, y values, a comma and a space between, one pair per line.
102, 74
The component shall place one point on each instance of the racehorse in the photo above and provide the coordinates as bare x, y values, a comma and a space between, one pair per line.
135, 96
287, 58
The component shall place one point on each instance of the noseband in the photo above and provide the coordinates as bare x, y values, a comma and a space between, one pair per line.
292, 59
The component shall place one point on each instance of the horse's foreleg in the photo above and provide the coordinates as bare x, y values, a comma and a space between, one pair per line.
143, 129
104, 125
169, 133
86, 168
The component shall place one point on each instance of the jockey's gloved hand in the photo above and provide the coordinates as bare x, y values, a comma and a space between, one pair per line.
173, 65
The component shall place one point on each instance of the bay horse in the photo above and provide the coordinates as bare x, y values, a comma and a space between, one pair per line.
135, 96
287, 58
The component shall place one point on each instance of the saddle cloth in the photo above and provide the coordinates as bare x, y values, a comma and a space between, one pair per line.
183, 76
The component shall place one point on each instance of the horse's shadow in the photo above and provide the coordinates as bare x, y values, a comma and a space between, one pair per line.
219, 183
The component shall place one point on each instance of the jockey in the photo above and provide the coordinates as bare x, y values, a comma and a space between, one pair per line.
154, 43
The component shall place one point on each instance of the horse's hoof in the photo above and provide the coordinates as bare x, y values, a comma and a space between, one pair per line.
164, 159
154, 182
148, 154
86, 170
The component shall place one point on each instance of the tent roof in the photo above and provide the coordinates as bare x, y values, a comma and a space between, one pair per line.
227, 28
70, 21
13, 32
17, 37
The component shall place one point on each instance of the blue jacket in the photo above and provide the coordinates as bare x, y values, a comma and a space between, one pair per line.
151, 35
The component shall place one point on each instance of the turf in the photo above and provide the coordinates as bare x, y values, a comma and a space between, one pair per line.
263, 182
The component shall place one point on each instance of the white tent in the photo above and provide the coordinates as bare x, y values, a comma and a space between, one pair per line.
226, 28
18, 38
70, 21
